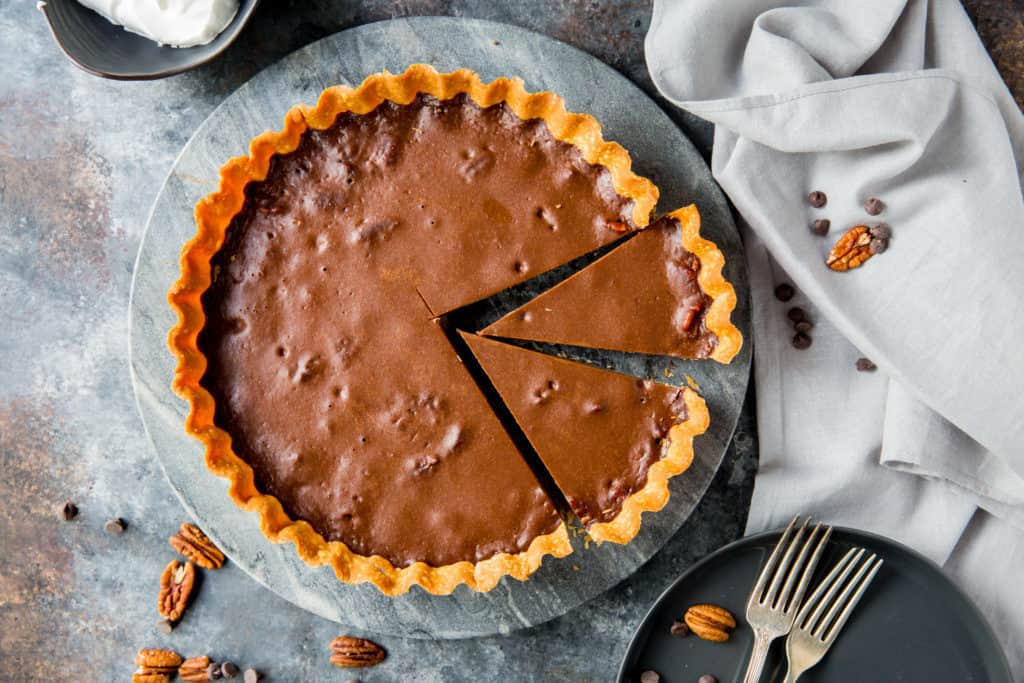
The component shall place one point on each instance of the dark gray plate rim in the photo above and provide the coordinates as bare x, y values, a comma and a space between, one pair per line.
973, 620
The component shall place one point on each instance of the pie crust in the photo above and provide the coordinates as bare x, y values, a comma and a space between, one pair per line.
214, 214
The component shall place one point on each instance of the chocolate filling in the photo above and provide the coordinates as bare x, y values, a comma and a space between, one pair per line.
326, 368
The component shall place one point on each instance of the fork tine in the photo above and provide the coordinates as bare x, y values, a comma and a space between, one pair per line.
848, 599
762, 579
822, 595
784, 566
792, 603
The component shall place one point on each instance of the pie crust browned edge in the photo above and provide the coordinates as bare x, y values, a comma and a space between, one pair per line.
712, 283
654, 494
213, 215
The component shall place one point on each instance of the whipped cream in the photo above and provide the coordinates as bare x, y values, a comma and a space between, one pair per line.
178, 23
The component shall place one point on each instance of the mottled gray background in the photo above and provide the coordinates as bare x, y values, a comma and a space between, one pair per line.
81, 160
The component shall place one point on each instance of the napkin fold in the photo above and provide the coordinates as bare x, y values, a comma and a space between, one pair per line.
896, 100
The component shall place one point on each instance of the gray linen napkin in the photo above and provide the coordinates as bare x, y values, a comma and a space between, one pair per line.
896, 100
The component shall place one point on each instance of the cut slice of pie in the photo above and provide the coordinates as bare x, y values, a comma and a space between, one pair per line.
611, 442
662, 292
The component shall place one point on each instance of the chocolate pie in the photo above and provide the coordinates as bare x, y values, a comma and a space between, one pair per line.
309, 343
662, 292
610, 441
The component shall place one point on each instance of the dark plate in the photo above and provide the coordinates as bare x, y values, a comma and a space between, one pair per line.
912, 625
103, 49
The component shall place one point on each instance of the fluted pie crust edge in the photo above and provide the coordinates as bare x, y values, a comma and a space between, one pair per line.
213, 215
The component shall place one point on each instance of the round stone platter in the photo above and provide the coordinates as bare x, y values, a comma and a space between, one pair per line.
659, 151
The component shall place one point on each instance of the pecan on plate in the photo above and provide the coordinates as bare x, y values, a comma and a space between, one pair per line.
175, 588
154, 664
195, 669
191, 542
710, 622
355, 652
851, 250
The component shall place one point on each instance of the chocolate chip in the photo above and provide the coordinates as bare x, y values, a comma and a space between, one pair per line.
801, 340
213, 671
650, 677
817, 199
874, 206
877, 245
784, 292
821, 226
865, 365
251, 676
679, 629
228, 670
115, 526
796, 314
707, 678
165, 626
803, 326
882, 231
68, 511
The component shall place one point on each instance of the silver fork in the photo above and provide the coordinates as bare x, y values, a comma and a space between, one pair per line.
813, 633
776, 597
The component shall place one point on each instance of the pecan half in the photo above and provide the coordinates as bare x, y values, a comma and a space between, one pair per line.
175, 588
150, 678
157, 662
710, 622
191, 542
851, 250
195, 669
355, 652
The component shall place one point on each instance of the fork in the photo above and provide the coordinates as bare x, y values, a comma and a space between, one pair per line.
775, 599
813, 634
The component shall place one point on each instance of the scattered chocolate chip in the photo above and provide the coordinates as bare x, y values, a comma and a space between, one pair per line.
801, 340
213, 671
796, 314
68, 511
878, 245
251, 676
228, 670
865, 365
707, 678
817, 199
650, 677
115, 526
803, 326
679, 629
821, 226
784, 292
874, 206
882, 231
165, 626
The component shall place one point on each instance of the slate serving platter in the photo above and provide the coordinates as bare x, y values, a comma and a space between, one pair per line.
659, 150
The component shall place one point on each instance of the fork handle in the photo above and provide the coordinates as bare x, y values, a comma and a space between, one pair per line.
757, 656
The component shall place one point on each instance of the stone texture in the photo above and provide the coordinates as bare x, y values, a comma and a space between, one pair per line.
81, 160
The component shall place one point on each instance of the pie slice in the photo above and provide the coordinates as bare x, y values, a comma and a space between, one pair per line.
611, 442
662, 292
